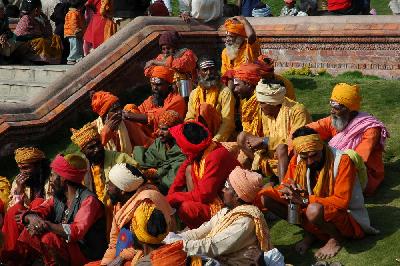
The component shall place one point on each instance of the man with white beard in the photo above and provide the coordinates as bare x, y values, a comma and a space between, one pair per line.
241, 46
348, 128
211, 103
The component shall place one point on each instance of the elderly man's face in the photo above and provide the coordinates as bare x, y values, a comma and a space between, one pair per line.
57, 185
94, 151
269, 109
208, 77
230, 198
163, 133
340, 115
160, 90
242, 89
313, 159
167, 50
232, 39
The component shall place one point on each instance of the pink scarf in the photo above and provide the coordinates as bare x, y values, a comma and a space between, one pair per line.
351, 136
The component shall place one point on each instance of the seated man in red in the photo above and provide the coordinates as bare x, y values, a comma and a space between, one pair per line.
68, 228
348, 128
201, 177
322, 181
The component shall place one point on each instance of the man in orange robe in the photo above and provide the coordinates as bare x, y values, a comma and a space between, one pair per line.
347, 128
241, 46
322, 182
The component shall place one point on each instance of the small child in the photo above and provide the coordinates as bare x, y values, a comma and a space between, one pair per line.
73, 30
289, 9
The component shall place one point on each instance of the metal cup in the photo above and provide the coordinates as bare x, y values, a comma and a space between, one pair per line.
294, 214
184, 87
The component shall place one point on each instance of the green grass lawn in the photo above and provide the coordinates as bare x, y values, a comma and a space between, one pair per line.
380, 97
381, 6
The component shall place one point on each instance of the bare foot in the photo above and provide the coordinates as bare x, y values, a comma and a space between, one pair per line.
330, 249
302, 246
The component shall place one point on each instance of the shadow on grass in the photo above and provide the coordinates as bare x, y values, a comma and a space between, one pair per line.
304, 83
317, 116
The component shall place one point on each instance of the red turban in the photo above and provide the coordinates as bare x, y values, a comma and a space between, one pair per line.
265, 64
102, 102
158, 9
236, 27
189, 149
170, 38
72, 167
162, 72
248, 72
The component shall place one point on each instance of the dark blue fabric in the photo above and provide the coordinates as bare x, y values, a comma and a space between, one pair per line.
247, 7
125, 240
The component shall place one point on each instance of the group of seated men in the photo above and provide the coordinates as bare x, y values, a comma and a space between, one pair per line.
242, 147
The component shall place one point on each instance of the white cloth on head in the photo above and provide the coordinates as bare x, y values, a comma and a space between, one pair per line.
124, 179
273, 94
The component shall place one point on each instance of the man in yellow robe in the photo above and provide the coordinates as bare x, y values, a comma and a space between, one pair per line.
267, 129
241, 46
211, 102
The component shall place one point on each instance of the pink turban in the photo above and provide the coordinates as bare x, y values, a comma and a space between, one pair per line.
71, 167
245, 183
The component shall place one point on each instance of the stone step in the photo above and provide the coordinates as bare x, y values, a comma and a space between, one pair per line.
38, 74
18, 92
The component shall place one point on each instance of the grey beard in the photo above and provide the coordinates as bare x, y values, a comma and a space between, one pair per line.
232, 51
339, 123
207, 83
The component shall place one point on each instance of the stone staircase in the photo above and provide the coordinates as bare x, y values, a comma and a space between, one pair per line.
18, 84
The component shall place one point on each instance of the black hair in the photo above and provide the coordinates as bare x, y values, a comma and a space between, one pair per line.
76, 3
194, 133
136, 172
28, 6
303, 131
231, 10
309, 6
12, 11
272, 81
156, 225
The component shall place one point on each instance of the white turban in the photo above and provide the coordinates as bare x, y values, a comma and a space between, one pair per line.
123, 178
273, 94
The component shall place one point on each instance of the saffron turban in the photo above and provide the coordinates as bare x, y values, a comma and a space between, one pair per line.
28, 155
124, 179
308, 143
141, 217
162, 72
191, 150
235, 27
266, 65
102, 102
170, 38
85, 135
348, 95
71, 167
273, 94
171, 254
170, 118
248, 72
245, 183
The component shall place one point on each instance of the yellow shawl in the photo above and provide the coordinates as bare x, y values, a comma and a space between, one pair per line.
251, 116
123, 135
209, 96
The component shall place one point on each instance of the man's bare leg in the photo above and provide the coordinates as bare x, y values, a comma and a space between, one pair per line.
303, 245
283, 160
315, 214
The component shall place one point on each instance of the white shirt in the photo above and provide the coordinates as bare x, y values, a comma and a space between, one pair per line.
206, 10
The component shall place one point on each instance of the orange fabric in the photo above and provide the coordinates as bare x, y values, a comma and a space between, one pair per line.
234, 26
102, 101
249, 73
368, 149
251, 116
170, 118
247, 54
171, 254
211, 117
162, 72
74, 23
335, 206
110, 28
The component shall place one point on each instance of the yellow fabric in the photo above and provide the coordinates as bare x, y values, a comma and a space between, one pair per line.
47, 49
198, 170
196, 261
348, 95
308, 143
251, 116
4, 190
247, 54
28, 155
252, 212
325, 183
139, 224
84, 135
99, 184
360, 166
123, 135
222, 100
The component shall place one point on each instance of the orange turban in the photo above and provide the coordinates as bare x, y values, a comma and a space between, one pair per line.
308, 143
28, 155
170, 118
162, 72
102, 102
248, 72
348, 95
234, 26
245, 183
265, 64
171, 254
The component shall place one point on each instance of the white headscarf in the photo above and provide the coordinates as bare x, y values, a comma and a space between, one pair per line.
124, 179
273, 94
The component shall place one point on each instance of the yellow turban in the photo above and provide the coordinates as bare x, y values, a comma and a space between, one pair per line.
308, 143
348, 95
139, 224
28, 155
4, 190
235, 27
84, 135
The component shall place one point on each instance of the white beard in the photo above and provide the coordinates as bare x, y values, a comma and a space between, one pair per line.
233, 49
339, 123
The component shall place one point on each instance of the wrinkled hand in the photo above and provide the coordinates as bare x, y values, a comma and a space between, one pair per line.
36, 225
20, 180
254, 143
185, 16
292, 192
114, 120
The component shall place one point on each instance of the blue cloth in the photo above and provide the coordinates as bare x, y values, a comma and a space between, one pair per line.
75, 49
248, 6
125, 240
262, 12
